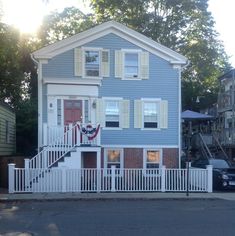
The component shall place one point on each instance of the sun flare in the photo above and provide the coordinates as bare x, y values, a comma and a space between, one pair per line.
26, 15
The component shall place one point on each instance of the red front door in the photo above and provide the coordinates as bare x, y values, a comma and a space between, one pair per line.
72, 111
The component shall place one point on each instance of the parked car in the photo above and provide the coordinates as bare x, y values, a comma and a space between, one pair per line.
223, 172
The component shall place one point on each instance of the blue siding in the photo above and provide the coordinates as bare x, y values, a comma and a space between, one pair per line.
162, 83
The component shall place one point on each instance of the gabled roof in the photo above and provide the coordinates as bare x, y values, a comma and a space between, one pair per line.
192, 115
104, 29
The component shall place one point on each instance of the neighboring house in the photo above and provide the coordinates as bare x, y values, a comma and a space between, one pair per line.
226, 112
7, 130
122, 88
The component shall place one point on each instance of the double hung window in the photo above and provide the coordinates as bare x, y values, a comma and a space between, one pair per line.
92, 63
112, 112
151, 114
113, 158
152, 159
131, 65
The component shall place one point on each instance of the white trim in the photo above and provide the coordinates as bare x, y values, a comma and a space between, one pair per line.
107, 28
40, 97
145, 156
112, 128
151, 99
136, 51
156, 100
84, 62
95, 81
112, 98
116, 99
139, 146
179, 117
121, 160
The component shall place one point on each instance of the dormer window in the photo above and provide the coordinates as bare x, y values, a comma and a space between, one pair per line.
92, 63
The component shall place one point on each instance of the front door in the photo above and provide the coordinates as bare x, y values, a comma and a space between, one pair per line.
72, 111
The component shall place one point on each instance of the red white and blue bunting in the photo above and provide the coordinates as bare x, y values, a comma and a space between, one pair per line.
89, 131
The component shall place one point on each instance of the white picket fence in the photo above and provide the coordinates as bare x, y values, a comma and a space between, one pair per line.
109, 180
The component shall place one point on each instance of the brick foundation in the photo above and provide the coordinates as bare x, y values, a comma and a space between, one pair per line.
133, 157
171, 157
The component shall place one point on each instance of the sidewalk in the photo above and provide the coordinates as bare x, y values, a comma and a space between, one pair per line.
105, 196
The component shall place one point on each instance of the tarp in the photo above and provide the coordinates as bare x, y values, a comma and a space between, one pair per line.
192, 115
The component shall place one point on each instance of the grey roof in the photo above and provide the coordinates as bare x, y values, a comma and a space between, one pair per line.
192, 115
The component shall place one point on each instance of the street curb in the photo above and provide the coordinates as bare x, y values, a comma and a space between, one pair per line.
106, 196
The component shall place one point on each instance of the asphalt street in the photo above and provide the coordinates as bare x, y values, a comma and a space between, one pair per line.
118, 217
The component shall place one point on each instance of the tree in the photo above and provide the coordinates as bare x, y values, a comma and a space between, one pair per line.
58, 26
11, 75
185, 26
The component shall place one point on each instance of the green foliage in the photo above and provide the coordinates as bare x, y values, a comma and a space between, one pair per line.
58, 26
182, 25
11, 75
18, 84
26, 127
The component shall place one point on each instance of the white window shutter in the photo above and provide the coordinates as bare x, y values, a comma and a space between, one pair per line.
78, 65
138, 114
124, 114
100, 112
164, 114
118, 64
105, 63
144, 65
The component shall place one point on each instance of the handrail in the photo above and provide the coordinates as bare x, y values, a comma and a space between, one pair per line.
221, 148
74, 135
55, 151
205, 146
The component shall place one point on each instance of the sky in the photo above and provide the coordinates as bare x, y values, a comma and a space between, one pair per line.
27, 16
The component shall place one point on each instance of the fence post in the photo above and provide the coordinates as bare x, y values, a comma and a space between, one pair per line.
113, 178
70, 141
64, 181
26, 174
209, 179
163, 179
11, 178
98, 181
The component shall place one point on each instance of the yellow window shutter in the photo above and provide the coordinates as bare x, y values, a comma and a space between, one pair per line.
138, 114
124, 114
105, 63
118, 64
78, 64
144, 65
164, 114
100, 112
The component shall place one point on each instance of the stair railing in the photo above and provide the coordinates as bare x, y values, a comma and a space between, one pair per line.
205, 149
58, 149
217, 143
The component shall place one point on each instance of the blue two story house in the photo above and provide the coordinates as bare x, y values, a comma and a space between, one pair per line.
108, 96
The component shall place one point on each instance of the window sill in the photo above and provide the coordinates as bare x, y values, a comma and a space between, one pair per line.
131, 79
150, 129
110, 128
